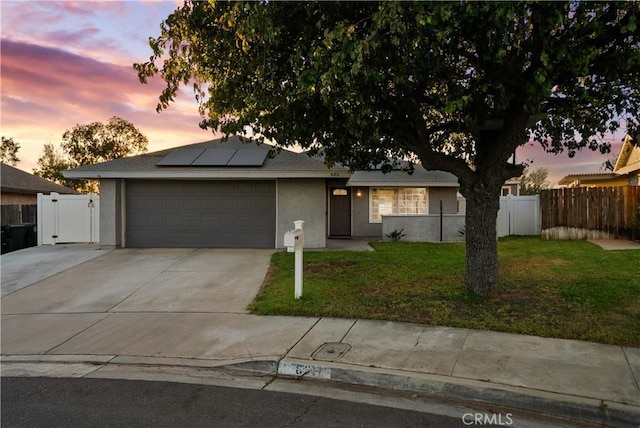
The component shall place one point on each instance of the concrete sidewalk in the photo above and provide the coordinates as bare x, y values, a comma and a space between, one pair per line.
616, 244
178, 314
579, 380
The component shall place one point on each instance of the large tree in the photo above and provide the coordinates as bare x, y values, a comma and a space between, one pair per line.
88, 144
533, 181
456, 86
9, 151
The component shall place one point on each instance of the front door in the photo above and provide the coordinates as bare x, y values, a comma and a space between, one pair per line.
340, 212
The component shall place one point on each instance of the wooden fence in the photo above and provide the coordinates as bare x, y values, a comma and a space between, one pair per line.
14, 214
588, 212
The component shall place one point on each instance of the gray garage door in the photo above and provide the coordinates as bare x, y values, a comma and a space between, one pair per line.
235, 214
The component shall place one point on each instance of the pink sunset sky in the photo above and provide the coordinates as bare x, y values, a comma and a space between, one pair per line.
67, 63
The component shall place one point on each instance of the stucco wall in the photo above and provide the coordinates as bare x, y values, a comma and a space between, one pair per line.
300, 199
360, 215
448, 196
425, 228
111, 212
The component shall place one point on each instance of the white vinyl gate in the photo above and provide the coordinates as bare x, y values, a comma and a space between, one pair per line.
68, 218
519, 215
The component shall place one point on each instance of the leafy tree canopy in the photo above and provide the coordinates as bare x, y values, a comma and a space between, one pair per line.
457, 86
533, 181
9, 151
88, 144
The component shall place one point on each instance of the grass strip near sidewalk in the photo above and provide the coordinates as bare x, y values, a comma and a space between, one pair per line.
563, 289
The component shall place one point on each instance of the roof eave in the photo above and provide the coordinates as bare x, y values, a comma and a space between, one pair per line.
351, 183
20, 191
625, 152
205, 175
629, 169
571, 178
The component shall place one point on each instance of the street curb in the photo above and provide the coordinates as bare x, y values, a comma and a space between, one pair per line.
582, 409
267, 365
549, 403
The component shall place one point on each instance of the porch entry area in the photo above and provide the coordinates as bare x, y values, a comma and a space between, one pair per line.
339, 212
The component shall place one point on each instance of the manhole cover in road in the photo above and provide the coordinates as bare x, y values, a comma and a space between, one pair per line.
331, 351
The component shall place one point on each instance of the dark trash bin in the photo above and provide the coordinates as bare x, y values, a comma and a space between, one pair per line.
7, 242
32, 234
19, 236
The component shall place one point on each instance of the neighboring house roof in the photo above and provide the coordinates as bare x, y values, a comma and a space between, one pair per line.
625, 171
283, 164
15, 180
629, 157
585, 179
420, 177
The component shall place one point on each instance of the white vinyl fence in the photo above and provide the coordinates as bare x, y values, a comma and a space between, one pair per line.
519, 215
68, 218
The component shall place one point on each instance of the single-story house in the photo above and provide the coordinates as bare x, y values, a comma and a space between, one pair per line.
511, 188
626, 171
21, 188
235, 193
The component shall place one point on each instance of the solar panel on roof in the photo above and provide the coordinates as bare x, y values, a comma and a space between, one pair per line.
248, 157
180, 157
214, 157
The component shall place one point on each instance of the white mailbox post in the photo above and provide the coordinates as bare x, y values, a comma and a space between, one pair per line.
294, 241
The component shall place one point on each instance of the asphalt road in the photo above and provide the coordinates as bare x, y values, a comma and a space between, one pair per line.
65, 402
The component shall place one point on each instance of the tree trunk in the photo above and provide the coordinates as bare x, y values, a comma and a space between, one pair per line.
482, 241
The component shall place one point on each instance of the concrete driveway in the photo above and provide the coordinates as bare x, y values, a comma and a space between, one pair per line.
154, 303
24, 267
146, 280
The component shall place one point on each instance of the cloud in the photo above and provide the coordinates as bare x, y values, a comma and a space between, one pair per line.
46, 91
115, 31
585, 161
43, 73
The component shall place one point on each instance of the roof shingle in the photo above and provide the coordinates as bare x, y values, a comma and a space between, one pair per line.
15, 180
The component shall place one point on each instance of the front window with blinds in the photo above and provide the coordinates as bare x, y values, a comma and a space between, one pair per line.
397, 201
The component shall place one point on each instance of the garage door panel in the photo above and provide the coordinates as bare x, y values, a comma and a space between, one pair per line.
226, 203
174, 203
224, 223
261, 223
201, 214
229, 191
245, 188
151, 203
137, 204
173, 187
192, 205
174, 222
247, 205
193, 223
152, 223
203, 240
209, 205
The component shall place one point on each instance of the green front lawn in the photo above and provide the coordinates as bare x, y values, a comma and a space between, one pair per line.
565, 289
